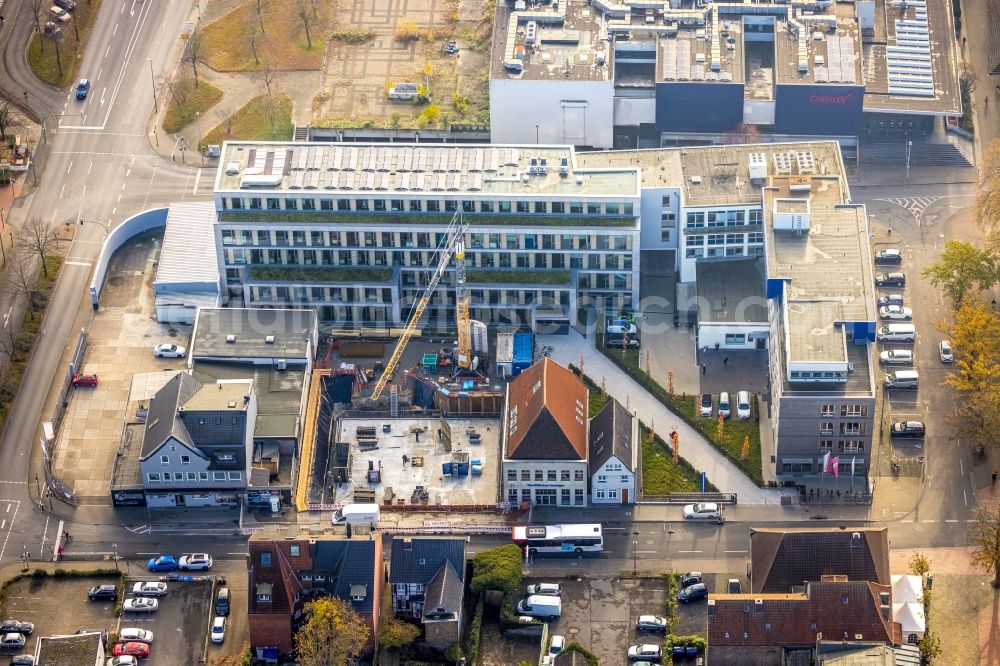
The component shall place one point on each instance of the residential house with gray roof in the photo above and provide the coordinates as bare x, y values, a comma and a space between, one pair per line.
428, 584
614, 444
197, 442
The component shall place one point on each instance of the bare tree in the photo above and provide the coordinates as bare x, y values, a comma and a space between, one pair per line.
260, 16
21, 278
10, 119
192, 51
37, 7
178, 88
56, 38
227, 118
8, 345
268, 76
307, 21
38, 239
252, 39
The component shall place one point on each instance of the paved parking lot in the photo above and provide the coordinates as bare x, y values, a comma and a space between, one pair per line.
180, 626
600, 613
58, 606
120, 351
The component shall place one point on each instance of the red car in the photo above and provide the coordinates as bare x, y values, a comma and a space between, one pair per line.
84, 380
134, 649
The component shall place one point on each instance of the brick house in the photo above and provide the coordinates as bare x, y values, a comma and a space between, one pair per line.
284, 575
807, 586
545, 437
427, 577
783, 558
770, 628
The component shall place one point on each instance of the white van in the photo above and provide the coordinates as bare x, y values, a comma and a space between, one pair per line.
539, 605
901, 379
897, 333
896, 357
356, 514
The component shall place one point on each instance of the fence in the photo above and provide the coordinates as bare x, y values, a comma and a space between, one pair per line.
62, 402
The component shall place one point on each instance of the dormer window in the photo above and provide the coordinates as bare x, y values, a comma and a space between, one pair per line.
264, 592
265, 559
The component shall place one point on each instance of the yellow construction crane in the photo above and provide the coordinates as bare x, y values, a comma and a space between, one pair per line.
452, 245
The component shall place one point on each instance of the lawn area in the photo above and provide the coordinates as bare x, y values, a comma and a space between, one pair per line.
660, 476
319, 274
252, 123
734, 432
24, 341
42, 56
229, 43
194, 99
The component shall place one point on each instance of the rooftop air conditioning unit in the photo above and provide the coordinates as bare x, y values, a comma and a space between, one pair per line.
281, 364
232, 169
230, 339
269, 340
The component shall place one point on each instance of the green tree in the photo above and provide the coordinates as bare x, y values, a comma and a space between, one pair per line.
333, 635
919, 564
394, 633
453, 653
930, 647
962, 268
984, 537
497, 569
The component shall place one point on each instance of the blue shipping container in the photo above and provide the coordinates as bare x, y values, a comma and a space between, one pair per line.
524, 348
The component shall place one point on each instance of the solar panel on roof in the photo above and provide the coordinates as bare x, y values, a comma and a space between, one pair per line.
312, 180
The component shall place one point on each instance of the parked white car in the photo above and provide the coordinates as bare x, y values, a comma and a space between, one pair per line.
169, 351
195, 562
218, 629
743, 405
149, 588
703, 511
895, 312
140, 605
135, 635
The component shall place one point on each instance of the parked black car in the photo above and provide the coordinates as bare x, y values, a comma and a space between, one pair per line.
103, 593
890, 280
908, 430
693, 593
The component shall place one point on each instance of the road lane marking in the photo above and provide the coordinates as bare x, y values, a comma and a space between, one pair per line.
688, 551
638, 552
736, 551
70, 167
197, 179
951, 520
62, 191
78, 263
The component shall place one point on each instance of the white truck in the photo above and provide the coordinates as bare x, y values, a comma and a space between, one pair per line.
541, 606
356, 514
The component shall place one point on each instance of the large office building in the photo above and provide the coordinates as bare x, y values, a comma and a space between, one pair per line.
352, 230
641, 73
750, 233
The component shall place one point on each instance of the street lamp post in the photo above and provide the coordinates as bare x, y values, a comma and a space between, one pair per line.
54, 115
909, 145
635, 553
152, 80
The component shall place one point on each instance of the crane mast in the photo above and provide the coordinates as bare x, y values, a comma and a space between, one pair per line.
464, 351
451, 245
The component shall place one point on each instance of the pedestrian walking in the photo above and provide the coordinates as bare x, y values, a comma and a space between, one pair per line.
725, 361
993, 482
704, 368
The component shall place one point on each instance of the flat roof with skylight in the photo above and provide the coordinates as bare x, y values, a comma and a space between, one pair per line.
408, 170
555, 41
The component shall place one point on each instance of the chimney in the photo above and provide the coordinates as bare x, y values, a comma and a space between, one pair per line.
855, 539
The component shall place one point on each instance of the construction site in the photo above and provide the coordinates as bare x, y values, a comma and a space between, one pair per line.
406, 421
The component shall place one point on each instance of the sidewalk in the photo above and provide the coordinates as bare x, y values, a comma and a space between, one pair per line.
567, 349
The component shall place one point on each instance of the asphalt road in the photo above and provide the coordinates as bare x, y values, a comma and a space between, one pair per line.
99, 169
922, 219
